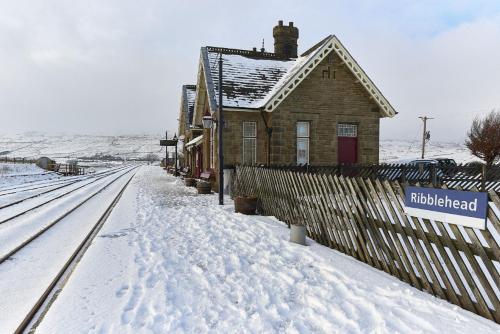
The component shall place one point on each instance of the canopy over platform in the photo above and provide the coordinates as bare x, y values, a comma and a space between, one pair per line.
195, 142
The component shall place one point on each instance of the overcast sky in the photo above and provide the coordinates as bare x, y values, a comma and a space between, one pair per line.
117, 66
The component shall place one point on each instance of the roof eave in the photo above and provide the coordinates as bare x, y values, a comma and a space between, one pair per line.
331, 43
386, 108
209, 84
244, 109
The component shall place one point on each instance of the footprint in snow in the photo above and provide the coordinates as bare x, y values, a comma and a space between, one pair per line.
122, 291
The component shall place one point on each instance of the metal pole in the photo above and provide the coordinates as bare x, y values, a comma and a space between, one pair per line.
423, 136
166, 150
220, 126
176, 156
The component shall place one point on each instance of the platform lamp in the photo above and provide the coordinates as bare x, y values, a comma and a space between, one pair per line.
208, 122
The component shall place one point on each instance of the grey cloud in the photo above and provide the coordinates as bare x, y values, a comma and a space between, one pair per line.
117, 66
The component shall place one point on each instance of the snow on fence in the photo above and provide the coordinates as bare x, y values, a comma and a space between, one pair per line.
17, 160
465, 176
365, 218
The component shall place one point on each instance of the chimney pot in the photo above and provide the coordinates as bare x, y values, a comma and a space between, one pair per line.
285, 40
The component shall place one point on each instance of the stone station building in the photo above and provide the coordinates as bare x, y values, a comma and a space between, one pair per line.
319, 108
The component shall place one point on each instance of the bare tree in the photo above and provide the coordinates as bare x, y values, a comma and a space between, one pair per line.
484, 137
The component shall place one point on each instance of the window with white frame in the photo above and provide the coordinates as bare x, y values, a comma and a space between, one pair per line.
249, 142
303, 143
347, 130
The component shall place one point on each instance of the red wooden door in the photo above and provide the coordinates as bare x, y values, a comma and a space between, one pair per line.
348, 150
199, 161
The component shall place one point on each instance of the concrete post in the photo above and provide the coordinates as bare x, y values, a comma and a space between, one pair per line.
298, 234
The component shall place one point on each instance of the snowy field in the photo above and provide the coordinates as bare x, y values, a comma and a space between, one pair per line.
171, 261
13, 174
66, 147
62, 147
403, 151
12, 170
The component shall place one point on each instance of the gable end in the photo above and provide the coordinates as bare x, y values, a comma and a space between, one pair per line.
332, 44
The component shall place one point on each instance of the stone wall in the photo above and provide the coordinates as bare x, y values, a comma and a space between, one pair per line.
233, 136
233, 139
324, 102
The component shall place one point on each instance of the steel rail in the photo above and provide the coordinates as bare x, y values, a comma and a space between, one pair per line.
47, 183
35, 174
50, 200
27, 184
43, 303
26, 187
58, 219
35, 181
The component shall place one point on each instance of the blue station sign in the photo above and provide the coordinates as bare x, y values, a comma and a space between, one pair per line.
467, 208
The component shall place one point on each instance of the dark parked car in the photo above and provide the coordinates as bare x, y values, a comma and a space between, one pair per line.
420, 170
446, 162
447, 166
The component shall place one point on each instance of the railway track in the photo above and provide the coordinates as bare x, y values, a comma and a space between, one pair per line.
25, 188
24, 175
20, 259
93, 180
48, 183
6, 255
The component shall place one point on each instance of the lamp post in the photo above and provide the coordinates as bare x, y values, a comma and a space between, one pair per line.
166, 150
208, 122
176, 141
221, 125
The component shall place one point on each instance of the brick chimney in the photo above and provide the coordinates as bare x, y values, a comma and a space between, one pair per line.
285, 39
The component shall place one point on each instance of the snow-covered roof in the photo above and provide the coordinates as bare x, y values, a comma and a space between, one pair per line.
195, 141
188, 96
262, 80
248, 77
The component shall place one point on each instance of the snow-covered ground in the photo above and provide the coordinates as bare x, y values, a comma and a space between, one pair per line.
11, 169
65, 147
171, 261
14, 174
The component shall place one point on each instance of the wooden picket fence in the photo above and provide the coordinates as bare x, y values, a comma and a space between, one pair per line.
17, 160
467, 176
365, 218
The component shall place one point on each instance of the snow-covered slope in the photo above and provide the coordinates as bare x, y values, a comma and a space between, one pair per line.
402, 151
72, 146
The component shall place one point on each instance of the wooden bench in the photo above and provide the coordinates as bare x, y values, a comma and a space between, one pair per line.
206, 175
204, 185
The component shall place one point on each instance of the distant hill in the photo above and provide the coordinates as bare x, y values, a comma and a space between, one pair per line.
62, 147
